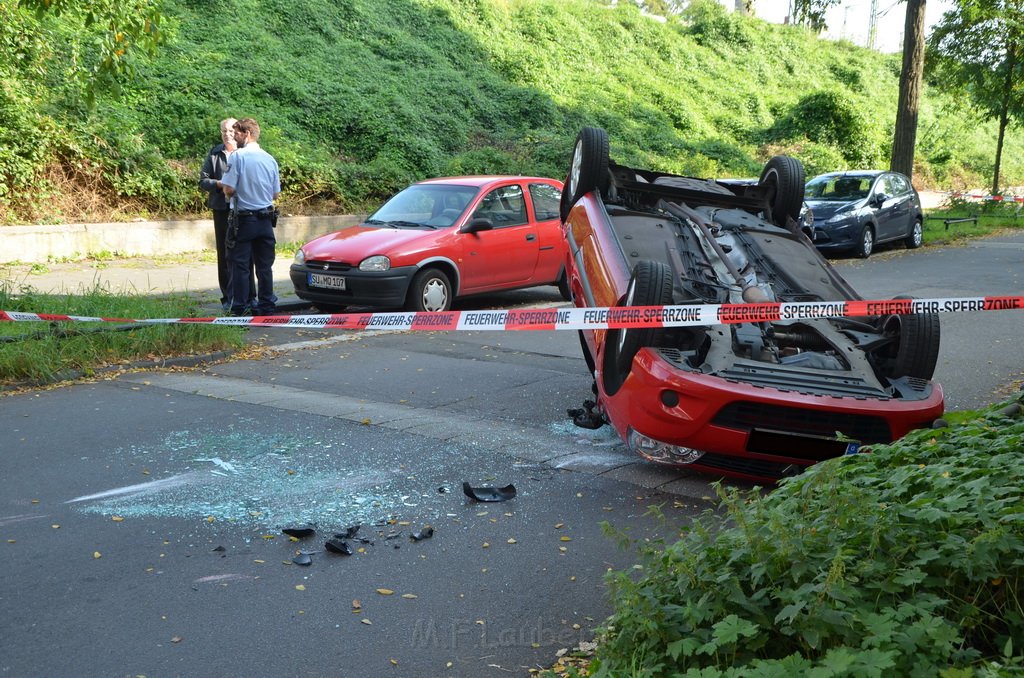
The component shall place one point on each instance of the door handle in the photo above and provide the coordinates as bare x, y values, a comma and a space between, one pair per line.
531, 237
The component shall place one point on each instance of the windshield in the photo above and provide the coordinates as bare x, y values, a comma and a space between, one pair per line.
436, 205
844, 188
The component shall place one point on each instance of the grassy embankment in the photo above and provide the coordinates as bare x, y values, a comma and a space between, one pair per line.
362, 97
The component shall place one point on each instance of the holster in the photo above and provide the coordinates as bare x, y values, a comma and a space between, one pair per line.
274, 214
231, 237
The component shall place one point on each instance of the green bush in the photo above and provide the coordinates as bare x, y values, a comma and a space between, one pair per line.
833, 118
905, 561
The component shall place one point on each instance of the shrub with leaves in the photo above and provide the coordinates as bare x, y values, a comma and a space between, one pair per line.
905, 561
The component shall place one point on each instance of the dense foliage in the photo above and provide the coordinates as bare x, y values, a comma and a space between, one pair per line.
357, 98
905, 561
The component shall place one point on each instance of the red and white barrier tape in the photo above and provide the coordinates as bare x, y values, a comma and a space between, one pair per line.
578, 318
993, 198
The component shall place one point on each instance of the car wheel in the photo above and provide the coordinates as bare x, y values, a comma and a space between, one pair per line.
914, 349
866, 243
563, 287
650, 285
430, 291
916, 236
783, 179
589, 167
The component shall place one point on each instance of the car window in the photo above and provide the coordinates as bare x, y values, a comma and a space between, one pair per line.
885, 185
505, 206
838, 188
545, 201
900, 186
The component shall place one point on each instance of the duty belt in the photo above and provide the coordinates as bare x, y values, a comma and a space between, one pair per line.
265, 212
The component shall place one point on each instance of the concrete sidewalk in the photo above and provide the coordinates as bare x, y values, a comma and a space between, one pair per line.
195, 276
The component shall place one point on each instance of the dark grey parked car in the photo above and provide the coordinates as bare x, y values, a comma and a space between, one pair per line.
855, 210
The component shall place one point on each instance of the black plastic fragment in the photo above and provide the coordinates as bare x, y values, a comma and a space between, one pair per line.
349, 533
489, 493
302, 559
219, 549
426, 533
443, 490
339, 546
299, 532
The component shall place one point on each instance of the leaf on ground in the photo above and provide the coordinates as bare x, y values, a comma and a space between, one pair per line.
365, 621
300, 587
410, 596
385, 592
96, 555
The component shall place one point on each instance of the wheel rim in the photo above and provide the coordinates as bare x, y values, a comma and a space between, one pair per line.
869, 241
918, 234
435, 295
577, 167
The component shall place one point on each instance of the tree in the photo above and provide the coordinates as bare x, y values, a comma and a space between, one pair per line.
126, 29
977, 52
811, 13
905, 133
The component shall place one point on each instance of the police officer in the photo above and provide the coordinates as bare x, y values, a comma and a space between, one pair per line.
252, 183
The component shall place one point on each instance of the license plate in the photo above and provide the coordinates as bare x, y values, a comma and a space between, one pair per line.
331, 282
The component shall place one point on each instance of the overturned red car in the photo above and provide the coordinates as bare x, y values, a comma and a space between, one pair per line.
759, 400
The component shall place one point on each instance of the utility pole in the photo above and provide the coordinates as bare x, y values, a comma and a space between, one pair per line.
873, 24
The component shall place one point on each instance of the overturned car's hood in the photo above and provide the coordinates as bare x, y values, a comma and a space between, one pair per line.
823, 209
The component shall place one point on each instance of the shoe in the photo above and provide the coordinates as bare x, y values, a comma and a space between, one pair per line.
226, 306
242, 312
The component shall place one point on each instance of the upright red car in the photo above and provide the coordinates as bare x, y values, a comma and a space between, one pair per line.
438, 240
758, 399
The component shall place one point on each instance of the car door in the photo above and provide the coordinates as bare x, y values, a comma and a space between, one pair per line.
506, 254
904, 208
544, 201
883, 205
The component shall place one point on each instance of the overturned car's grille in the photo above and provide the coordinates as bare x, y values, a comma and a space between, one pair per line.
746, 416
328, 266
803, 381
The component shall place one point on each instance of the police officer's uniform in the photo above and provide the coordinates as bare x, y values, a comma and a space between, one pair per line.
254, 177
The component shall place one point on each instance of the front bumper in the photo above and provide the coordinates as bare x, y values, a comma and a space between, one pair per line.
836, 237
758, 432
382, 289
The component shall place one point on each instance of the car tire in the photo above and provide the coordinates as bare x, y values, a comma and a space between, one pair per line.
563, 287
650, 285
430, 291
865, 243
916, 348
588, 169
916, 236
783, 178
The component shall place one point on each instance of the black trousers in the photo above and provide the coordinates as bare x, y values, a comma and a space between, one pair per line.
220, 230
253, 247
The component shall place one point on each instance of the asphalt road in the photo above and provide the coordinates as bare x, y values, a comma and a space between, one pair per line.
141, 516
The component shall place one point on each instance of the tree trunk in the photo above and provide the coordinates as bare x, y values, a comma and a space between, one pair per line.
1004, 113
905, 134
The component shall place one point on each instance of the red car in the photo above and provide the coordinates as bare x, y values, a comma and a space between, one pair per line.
760, 399
438, 240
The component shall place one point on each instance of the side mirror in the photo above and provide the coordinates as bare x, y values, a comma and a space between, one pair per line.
478, 224
878, 198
